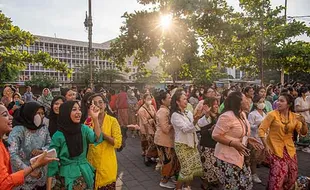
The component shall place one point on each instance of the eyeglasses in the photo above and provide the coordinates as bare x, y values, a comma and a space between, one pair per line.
100, 102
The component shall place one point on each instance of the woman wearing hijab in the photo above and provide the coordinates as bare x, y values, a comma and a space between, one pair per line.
29, 138
46, 99
16, 103
52, 124
8, 179
7, 95
71, 143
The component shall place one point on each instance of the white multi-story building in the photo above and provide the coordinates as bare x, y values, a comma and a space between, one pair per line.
234, 72
75, 54
72, 52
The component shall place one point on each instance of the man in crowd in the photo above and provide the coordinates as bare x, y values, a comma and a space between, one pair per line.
28, 96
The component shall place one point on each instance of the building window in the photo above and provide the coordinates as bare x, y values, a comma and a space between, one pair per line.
129, 63
237, 74
129, 77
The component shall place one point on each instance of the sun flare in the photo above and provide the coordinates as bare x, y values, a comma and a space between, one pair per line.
165, 21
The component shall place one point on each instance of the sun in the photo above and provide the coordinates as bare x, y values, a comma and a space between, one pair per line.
165, 21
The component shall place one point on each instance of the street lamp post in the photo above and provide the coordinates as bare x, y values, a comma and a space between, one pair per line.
282, 69
88, 23
262, 45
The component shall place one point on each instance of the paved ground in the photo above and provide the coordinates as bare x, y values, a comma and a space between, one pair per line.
133, 174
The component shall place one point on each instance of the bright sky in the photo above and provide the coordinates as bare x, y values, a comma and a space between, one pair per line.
65, 18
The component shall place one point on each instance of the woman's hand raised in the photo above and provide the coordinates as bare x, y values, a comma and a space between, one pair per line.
94, 111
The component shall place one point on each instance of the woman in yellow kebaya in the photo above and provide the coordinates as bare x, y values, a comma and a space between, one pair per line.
102, 156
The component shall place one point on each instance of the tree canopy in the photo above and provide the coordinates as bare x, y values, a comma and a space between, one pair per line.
205, 36
42, 81
100, 76
13, 58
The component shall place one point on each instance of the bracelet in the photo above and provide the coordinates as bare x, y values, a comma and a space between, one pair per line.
229, 143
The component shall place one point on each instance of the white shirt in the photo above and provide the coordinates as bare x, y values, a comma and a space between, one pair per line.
303, 104
184, 129
255, 119
204, 121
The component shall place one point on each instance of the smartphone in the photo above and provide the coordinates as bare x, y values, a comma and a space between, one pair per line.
17, 103
50, 154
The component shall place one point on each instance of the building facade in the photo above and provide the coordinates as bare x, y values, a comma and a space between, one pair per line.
235, 73
75, 54
72, 52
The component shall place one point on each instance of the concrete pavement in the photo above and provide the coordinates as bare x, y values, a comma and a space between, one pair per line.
134, 175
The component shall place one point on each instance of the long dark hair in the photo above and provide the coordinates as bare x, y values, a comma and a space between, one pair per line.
162, 95
176, 97
301, 91
84, 106
290, 100
233, 103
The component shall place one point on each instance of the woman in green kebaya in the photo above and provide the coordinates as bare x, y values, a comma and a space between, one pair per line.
71, 142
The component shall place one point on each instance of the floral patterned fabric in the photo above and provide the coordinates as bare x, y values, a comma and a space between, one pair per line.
169, 162
283, 171
210, 170
111, 186
190, 163
78, 184
148, 146
233, 177
22, 142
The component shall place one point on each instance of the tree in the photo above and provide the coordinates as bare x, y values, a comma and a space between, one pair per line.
251, 40
266, 41
13, 59
143, 38
83, 75
100, 76
147, 76
110, 76
177, 47
42, 81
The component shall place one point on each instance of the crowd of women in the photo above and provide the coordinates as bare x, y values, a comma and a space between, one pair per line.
222, 138
188, 132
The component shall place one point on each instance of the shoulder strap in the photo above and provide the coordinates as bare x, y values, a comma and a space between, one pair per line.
148, 112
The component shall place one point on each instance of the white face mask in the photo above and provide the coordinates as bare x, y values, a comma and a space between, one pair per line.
197, 94
132, 94
149, 102
37, 120
261, 106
